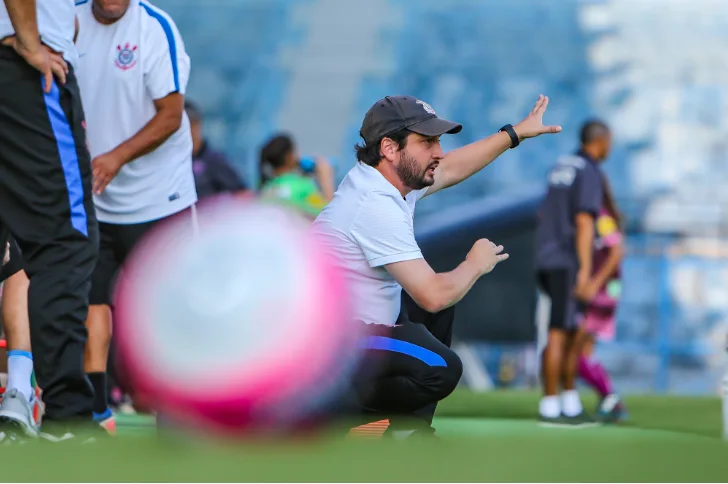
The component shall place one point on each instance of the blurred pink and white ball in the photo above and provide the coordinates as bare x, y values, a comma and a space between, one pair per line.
237, 326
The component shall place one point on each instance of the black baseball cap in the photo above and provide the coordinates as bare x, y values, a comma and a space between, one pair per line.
394, 113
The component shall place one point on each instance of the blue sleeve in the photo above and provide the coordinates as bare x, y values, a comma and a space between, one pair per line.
590, 191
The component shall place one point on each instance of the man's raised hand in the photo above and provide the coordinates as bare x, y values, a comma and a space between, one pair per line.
533, 125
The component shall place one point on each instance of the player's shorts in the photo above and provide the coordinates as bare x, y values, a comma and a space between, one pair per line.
566, 311
600, 317
116, 242
602, 326
14, 264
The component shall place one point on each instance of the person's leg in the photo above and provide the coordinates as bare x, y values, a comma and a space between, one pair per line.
551, 369
440, 325
46, 202
19, 400
125, 239
592, 372
17, 334
116, 242
99, 325
412, 371
559, 358
20, 404
553, 352
571, 405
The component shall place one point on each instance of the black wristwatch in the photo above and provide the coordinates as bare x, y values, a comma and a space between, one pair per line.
512, 133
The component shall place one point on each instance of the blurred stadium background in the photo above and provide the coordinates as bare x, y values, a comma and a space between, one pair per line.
654, 69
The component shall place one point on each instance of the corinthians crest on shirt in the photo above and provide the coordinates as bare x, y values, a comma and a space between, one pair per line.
126, 56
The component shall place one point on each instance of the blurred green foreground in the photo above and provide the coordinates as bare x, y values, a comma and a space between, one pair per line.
484, 437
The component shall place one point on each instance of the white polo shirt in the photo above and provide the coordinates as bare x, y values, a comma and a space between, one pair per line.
123, 68
55, 23
368, 225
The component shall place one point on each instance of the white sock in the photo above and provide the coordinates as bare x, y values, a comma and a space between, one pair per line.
571, 403
20, 372
550, 406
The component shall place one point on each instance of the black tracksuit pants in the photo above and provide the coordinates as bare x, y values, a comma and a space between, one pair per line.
46, 203
408, 369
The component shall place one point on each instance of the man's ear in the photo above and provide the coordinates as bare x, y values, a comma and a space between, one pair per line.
388, 148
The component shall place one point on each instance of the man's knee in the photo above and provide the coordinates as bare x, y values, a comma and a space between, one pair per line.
446, 378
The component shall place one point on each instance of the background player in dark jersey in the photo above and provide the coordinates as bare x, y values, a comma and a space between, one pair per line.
565, 238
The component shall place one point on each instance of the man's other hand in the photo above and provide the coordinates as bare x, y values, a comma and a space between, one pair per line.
104, 168
485, 255
533, 125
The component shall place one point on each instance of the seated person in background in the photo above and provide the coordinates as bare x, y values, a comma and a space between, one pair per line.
214, 175
284, 177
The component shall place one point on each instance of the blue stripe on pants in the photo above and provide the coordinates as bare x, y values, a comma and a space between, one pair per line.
398, 346
69, 158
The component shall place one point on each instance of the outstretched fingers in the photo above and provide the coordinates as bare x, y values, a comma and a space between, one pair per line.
536, 107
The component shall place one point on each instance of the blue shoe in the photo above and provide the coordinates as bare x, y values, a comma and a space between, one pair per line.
106, 421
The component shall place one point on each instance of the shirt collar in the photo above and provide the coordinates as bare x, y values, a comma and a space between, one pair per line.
378, 180
586, 156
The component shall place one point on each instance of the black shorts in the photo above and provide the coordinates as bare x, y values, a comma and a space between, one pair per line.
116, 242
566, 310
15, 263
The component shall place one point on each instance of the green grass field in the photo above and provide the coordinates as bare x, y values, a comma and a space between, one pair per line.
485, 437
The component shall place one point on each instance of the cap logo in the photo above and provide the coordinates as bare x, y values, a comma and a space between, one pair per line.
427, 107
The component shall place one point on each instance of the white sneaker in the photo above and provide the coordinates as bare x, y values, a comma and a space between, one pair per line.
16, 412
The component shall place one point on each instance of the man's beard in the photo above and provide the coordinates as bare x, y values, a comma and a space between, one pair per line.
411, 174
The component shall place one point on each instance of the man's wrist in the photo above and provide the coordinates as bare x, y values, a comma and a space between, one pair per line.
513, 136
473, 269
122, 154
519, 130
30, 43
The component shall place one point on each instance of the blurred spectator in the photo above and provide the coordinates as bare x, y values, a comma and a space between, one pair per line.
286, 177
214, 175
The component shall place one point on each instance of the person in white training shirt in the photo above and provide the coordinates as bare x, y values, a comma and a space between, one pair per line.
46, 203
408, 364
133, 71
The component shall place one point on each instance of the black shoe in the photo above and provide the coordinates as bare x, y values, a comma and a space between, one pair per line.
583, 420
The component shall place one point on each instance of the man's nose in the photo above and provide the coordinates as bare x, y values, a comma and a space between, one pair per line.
437, 152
